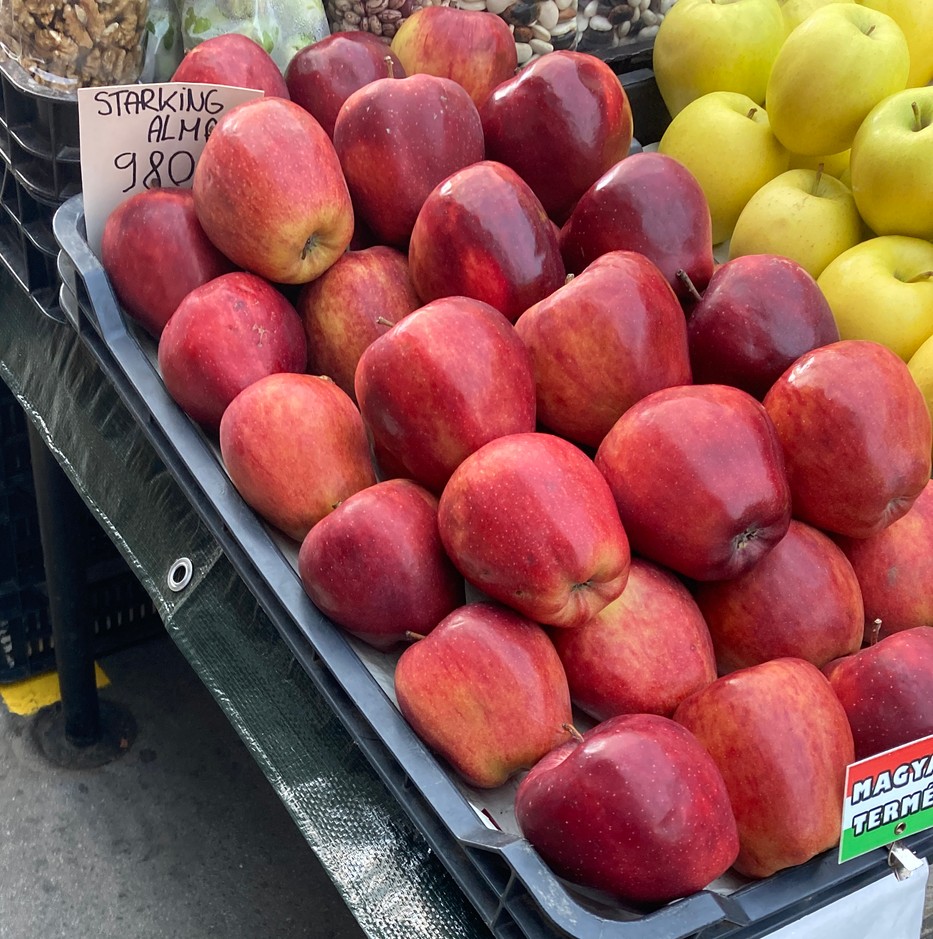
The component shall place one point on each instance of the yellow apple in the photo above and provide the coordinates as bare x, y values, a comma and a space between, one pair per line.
921, 367
882, 290
915, 18
834, 164
830, 72
796, 11
716, 45
892, 165
725, 140
804, 215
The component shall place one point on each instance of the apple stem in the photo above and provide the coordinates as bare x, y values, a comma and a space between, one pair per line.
390, 67
875, 632
751, 113
309, 246
382, 321
917, 119
919, 278
684, 278
573, 732
567, 279
871, 29
413, 635
817, 178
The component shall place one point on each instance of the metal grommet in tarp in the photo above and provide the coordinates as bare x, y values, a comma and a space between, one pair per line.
179, 574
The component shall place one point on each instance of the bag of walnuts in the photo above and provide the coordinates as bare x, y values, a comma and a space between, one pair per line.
69, 44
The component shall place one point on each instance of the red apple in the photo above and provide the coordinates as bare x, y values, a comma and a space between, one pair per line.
636, 808
376, 565
483, 233
232, 59
887, 691
447, 379
782, 743
224, 336
154, 252
643, 653
474, 49
270, 194
321, 76
560, 123
698, 478
529, 520
602, 342
353, 303
895, 570
759, 313
486, 690
397, 139
856, 436
295, 448
800, 600
650, 203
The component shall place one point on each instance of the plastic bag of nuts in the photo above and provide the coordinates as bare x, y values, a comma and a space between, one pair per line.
281, 27
164, 47
539, 26
68, 44
380, 17
605, 25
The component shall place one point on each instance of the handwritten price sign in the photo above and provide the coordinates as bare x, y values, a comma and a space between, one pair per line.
136, 137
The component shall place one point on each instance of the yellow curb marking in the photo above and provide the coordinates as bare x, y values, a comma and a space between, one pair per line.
31, 694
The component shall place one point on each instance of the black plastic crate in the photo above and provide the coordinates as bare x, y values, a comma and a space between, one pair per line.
39, 135
627, 57
27, 245
502, 876
41, 169
20, 550
119, 611
649, 112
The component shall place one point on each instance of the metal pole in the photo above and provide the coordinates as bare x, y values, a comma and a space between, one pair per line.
61, 511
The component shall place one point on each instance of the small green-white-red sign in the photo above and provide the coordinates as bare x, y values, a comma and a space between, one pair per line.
887, 797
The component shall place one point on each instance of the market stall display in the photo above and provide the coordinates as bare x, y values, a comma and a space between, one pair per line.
512, 511
274, 577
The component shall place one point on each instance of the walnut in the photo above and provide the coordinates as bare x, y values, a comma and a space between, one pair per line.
47, 40
93, 21
113, 60
42, 12
75, 28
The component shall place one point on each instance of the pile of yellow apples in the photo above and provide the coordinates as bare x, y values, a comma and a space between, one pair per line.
809, 126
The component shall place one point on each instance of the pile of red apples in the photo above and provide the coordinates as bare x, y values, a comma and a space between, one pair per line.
474, 356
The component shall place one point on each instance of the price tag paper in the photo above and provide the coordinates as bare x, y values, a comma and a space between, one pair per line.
136, 137
887, 797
